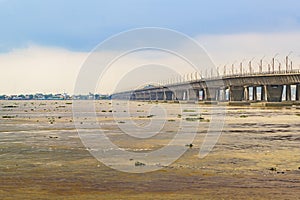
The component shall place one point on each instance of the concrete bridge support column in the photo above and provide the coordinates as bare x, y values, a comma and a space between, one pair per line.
174, 95
197, 94
169, 95
254, 93
223, 94
133, 96
274, 93
160, 95
148, 96
298, 92
264, 91
246, 93
179, 95
152, 96
137, 96
164, 96
210, 94
187, 95
193, 95
236, 93
288, 93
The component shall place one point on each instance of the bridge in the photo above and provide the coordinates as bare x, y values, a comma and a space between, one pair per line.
275, 86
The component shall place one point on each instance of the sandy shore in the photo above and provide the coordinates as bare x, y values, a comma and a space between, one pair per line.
42, 157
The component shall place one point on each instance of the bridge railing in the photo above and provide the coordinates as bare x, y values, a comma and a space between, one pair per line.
245, 74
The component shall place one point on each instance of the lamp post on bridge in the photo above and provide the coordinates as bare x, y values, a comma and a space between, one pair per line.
218, 73
279, 65
232, 68
250, 65
287, 61
241, 66
261, 64
224, 72
273, 62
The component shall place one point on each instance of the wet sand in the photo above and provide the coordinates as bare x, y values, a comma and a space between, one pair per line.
42, 157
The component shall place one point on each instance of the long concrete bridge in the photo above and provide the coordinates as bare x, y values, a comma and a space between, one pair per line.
256, 87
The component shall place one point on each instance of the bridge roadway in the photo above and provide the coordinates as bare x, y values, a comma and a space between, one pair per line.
265, 87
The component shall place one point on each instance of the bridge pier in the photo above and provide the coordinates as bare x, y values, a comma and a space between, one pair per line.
288, 93
159, 95
254, 93
168, 95
298, 92
246, 93
137, 96
236, 93
210, 94
274, 93
179, 95
193, 95
147, 96
132, 96
264, 91
222, 94
185, 95
152, 96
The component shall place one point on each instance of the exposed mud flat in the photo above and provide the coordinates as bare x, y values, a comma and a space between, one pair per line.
42, 156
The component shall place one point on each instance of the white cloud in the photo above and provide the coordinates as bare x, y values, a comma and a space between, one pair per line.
39, 69
236, 47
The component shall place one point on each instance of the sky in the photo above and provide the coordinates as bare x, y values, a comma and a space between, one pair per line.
43, 44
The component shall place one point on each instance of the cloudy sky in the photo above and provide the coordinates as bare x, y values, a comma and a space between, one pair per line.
43, 44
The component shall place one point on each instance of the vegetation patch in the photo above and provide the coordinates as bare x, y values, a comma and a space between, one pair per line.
60, 106
192, 119
137, 163
187, 110
8, 117
10, 106
148, 116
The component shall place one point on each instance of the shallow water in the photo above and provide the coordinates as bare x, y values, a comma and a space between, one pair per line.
42, 156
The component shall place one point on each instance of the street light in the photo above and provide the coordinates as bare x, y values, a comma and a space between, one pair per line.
279, 65
218, 68
273, 61
224, 72
241, 66
232, 67
287, 61
250, 67
261, 64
